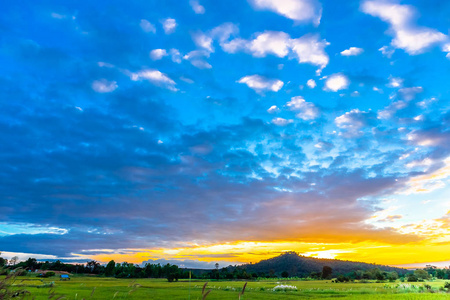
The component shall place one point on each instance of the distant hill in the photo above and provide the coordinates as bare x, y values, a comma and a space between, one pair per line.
298, 265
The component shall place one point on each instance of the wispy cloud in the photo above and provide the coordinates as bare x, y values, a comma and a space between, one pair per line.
104, 86
407, 36
155, 77
196, 7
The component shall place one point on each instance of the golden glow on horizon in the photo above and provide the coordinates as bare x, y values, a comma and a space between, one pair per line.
433, 245
328, 254
247, 252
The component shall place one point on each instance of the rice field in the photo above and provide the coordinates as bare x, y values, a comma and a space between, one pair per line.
85, 287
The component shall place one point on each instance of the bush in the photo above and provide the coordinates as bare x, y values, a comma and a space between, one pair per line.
342, 278
48, 274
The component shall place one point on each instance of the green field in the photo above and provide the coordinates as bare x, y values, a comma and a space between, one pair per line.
85, 287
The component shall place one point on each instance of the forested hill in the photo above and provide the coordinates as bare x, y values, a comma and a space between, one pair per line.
297, 265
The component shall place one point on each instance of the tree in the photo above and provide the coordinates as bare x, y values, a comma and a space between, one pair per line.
421, 274
109, 271
410, 277
92, 266
326, 272
13, 260
31, 263
3, 262
359, 274
284, 274
392, 276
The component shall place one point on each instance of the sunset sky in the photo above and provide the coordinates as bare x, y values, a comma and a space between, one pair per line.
196, 132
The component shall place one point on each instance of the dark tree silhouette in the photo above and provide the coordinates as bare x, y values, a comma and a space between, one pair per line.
326, 272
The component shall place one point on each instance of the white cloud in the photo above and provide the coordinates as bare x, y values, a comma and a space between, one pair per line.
281, 121
104, 86
234, 46
187, 80
426, 102
201, 64
147, 26
311, 83
197, 59
391, 109
261, 84
406, 94
407, 36
203, 41
270, 42
387, 51
349, 119
104, 64
309, 49
175, 55
352, 51
352, 122
419, 118
305, 110
376, 89
446, 48
410, 93
157, 54
58, 16
198, 9
336, 82
395, 82
224, 31
297, 10
155, 77
169, 25
273, 109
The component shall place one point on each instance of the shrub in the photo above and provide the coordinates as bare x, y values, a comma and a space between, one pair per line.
49, 274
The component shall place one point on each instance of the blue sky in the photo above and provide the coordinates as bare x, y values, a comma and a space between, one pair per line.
147, 126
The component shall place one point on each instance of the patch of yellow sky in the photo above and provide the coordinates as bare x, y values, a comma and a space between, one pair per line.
434, 245
252, 252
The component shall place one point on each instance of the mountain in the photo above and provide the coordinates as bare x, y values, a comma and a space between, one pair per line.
298, 265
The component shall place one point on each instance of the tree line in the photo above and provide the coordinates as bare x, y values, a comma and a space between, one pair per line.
174, 273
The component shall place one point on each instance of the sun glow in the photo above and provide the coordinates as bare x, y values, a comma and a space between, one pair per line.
252, 252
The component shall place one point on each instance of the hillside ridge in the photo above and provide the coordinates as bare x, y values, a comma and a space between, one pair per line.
299, 265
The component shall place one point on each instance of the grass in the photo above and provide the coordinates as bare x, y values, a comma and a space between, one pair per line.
86, 287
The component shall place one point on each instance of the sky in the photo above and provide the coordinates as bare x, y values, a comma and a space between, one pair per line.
198, 132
